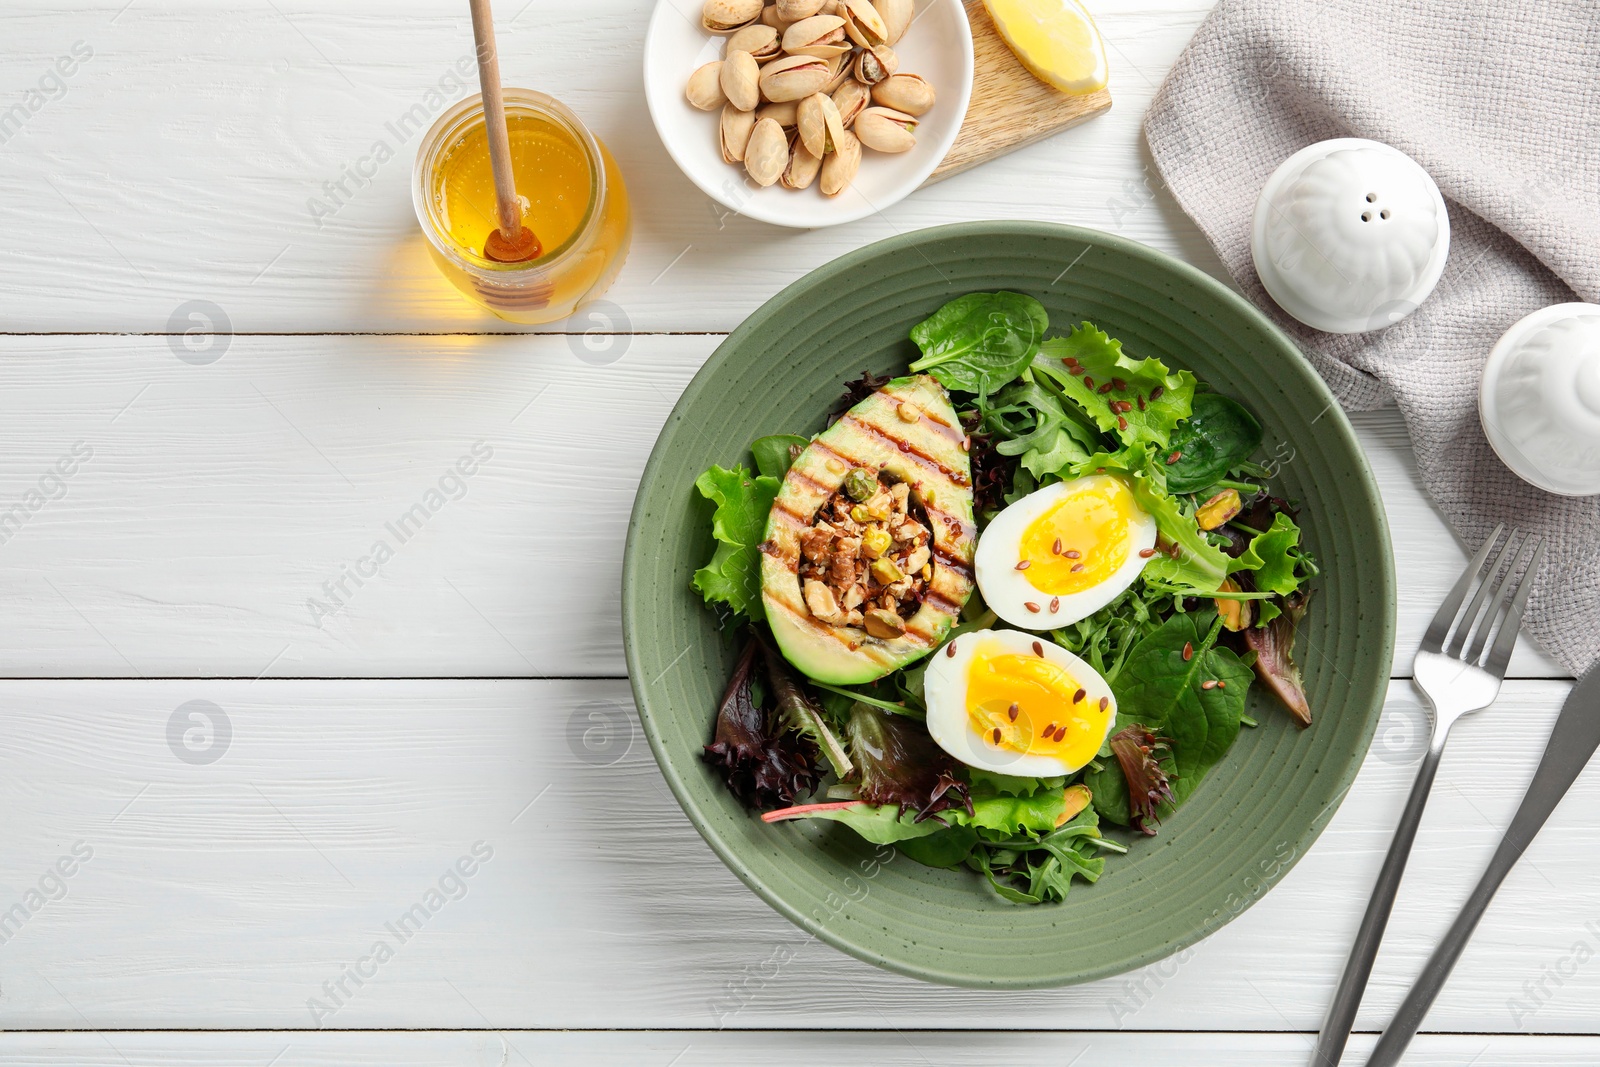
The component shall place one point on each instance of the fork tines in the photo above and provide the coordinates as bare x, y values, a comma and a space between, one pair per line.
1499, 592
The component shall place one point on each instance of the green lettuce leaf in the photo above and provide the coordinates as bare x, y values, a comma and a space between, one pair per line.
1102, 362
772, 453
743, 501
1274, 557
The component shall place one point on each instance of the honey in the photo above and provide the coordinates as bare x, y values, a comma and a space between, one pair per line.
572, 195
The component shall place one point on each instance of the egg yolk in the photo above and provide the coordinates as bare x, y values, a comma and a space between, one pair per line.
1037, 706
1082, 539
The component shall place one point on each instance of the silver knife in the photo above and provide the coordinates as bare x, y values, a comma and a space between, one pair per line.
1572, 742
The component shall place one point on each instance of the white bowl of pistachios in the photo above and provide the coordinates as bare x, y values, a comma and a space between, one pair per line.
808, 113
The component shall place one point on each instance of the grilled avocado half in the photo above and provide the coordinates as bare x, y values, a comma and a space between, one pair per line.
908, 430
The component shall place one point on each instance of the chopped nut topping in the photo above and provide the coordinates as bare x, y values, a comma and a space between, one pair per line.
867, 559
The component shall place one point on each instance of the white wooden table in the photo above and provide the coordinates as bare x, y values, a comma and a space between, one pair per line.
216, 165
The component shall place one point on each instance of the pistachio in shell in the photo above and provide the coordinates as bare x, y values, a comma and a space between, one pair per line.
884, 129
734, 130
897, 16
770, 17
726, 16
759, 39
838, 71
767, 153
851, 98
803, 167
907, 93
784, 114
705, 89
793, 78
795, 10
819, 124
839, 166
862, 23
741, 80
875, 64
819, 35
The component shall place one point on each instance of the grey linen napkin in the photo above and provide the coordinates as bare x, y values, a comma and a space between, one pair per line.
1499, 100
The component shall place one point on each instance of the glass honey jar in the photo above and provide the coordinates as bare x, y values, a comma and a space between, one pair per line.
573, 199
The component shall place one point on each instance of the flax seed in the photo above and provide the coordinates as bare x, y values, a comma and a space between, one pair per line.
997, 735
1077, 698
1072, 553
1031, 606
1038, 649
950, 650
1076, 567
1025, 564
1141, 402
1061, 733
1055, 604
1122, 423
1209, 683
1056, 548
1105, 702
1048, 730
1175, 552
1173, 458
1221, 684
1118, 384
1188, 651
1011, 712
1106, 388
1146, 553
1155, 394
1088, 381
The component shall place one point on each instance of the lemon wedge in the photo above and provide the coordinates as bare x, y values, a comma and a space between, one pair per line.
1055, 39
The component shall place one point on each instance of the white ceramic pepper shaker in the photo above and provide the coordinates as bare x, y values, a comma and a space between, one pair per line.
1350, 235
1540, 399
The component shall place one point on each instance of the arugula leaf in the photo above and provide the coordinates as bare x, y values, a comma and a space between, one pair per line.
775, 453
1009, 863
1150, 400
979, 342
1048, 436
743, 501
1218, 435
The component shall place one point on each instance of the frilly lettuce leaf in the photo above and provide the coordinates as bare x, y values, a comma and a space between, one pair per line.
1158, 399
743, 501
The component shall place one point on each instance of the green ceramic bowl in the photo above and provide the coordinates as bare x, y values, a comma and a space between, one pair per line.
1257, 812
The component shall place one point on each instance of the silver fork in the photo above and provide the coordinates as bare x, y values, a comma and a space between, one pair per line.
1452, 672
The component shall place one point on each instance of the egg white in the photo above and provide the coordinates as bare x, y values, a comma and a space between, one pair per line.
945, 693
1007, 590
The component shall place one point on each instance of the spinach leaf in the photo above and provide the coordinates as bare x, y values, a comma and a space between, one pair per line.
1137, 400
1218, 435
1168, 694
947, 848
743, 501
774, 454
979, 342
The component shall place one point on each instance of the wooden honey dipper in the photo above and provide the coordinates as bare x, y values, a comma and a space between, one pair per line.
512, 242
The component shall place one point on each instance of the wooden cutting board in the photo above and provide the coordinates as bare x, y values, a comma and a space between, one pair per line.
1010, 107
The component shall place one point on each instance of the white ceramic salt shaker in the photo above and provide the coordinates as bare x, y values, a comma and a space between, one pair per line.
1350, 235
1540, 399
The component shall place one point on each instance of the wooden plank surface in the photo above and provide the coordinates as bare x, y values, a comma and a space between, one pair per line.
1010, 108
710, 1048
217, 524
226, 893
210, 183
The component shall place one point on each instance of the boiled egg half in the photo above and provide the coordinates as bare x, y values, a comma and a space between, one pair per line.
1064, 552
1016, 703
